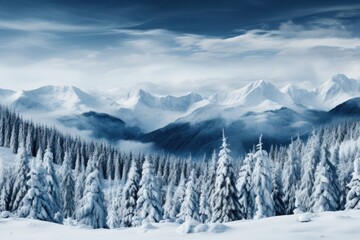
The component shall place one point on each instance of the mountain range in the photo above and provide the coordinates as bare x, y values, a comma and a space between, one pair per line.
192, 123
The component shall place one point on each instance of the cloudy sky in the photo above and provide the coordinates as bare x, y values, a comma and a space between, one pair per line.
168, 46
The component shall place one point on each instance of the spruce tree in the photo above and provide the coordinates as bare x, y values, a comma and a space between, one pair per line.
353, 196
326, 192
114, 213
204, 203
170, 189
53, 186
36, 202
130, 195
245, 188
291, 178
190, 206
278, 193
92, 210
20, 187
264, 204
310, 162
178, 198
67, 186
226, 205
149, 203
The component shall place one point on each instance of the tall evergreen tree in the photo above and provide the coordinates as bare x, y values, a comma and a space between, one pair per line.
353, 196
36, 202
21, 177
264, 204
245, 188
310, 161
114, 216
277, 193
148, 204
326, 192
130, 195
204, 201
67, 186
170, 189
190, 206
226, 205
53, 186
92, 210
178, 198
291, 178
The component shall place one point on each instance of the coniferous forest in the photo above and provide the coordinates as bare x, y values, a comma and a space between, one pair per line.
56, 178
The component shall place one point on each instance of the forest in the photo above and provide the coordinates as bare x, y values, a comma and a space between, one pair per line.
57, 177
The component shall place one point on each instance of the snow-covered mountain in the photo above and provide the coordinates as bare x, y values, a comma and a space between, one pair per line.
257, 102
53, 99
150, 112
253, 94
339, 88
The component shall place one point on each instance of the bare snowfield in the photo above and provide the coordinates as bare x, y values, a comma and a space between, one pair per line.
330, 225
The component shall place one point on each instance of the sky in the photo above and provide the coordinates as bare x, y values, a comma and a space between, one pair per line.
173, 47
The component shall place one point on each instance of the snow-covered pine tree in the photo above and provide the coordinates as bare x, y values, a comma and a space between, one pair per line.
309, 163
114, 212
53, 186
204, 203
277, 193
36, 202
264, 204
226, 205
92, 210
190, 206
178, 198
149, 203
29, 144
345, 169
21, 177
291, 178
80, 178
130, 195
353, 196
67, 187
326, 189
2, 186
211, 181
14, 140
245, 188
170, 189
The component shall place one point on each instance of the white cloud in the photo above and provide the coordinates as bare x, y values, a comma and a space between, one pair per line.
38, 25
174, 63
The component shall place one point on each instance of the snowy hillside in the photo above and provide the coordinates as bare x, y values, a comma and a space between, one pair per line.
329, 225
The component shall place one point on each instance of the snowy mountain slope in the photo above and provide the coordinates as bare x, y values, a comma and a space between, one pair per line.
276, 126
57, 99
150, 112
252, 94
101, 126
337, 89
350, 108
328, 225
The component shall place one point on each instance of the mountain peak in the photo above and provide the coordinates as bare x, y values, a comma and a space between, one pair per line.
338, 87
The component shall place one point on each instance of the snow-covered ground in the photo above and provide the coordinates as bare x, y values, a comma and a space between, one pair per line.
330, 225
